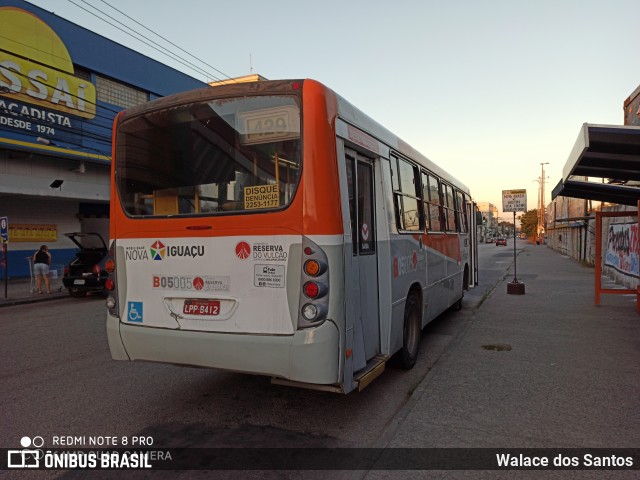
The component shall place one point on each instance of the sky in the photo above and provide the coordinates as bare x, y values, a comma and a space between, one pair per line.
489, 90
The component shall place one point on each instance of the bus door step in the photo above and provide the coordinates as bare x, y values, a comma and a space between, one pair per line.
371, 371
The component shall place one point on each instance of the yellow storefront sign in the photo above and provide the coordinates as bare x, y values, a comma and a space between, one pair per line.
24, 232
37, 75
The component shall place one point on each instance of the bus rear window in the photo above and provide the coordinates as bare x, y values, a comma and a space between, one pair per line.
209, 158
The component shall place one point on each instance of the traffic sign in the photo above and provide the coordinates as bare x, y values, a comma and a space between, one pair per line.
4, 229
514, 200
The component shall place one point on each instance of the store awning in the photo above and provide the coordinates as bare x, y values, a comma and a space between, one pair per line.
607, 152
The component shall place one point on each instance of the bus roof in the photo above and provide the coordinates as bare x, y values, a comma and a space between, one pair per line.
356, 117
347, 111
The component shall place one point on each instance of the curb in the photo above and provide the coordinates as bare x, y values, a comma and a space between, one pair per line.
24, 301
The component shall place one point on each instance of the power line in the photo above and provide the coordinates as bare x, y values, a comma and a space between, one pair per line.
170, 55
153, 45
166, 40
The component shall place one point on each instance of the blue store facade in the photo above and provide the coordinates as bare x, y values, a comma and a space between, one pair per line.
61, 86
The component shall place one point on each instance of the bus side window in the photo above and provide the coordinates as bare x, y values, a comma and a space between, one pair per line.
365, 230
432, 197
425, 198
408, 200
395, 178
449, 208
350, 161
461, 212
395, 187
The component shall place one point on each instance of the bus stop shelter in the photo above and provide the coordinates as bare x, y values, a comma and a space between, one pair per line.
612, 154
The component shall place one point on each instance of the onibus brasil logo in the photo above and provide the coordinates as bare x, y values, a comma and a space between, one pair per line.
33, 455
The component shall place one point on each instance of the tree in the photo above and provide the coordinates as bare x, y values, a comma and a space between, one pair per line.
529, 223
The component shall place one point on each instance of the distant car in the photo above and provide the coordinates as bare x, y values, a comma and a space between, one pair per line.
86, 273
489, 240
501, 241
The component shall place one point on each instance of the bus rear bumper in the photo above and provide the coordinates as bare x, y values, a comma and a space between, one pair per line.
310, 355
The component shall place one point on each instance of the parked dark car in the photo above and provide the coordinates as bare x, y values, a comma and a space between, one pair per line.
86, 273
501, 241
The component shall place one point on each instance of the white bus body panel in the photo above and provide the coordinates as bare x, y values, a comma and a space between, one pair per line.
220, 284
310, 356
256, 335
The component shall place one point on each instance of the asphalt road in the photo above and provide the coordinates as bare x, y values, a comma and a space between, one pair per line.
59, 380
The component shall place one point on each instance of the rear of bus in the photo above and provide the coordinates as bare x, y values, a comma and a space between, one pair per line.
225, 231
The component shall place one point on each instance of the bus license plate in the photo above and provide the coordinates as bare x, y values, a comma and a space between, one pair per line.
201, 307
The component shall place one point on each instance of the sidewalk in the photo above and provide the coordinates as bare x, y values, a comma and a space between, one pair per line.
545, 369
19, 292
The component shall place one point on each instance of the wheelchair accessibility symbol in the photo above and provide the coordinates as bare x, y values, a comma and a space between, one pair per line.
134, 312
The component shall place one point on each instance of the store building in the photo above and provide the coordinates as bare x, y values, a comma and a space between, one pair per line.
61, 86
489, 221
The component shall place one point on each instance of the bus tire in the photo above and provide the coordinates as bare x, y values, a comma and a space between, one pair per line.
465, 286
458, 305
411, 332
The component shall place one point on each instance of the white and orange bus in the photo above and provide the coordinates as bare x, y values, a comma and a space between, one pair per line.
272, 228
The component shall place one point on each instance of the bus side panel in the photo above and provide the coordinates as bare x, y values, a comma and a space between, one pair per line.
408, 267
436, 295
453, 284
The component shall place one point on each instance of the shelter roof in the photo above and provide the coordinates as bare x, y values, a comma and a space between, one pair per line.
610, 153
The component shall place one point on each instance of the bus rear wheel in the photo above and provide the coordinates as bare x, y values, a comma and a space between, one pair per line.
465, 286
411, 332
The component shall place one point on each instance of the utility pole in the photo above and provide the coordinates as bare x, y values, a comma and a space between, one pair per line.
541, 204
538, 209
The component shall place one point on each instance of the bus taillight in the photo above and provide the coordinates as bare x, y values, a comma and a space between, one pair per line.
314, 294
109, 265
314, 268
310, 312
110, 283
311, 289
